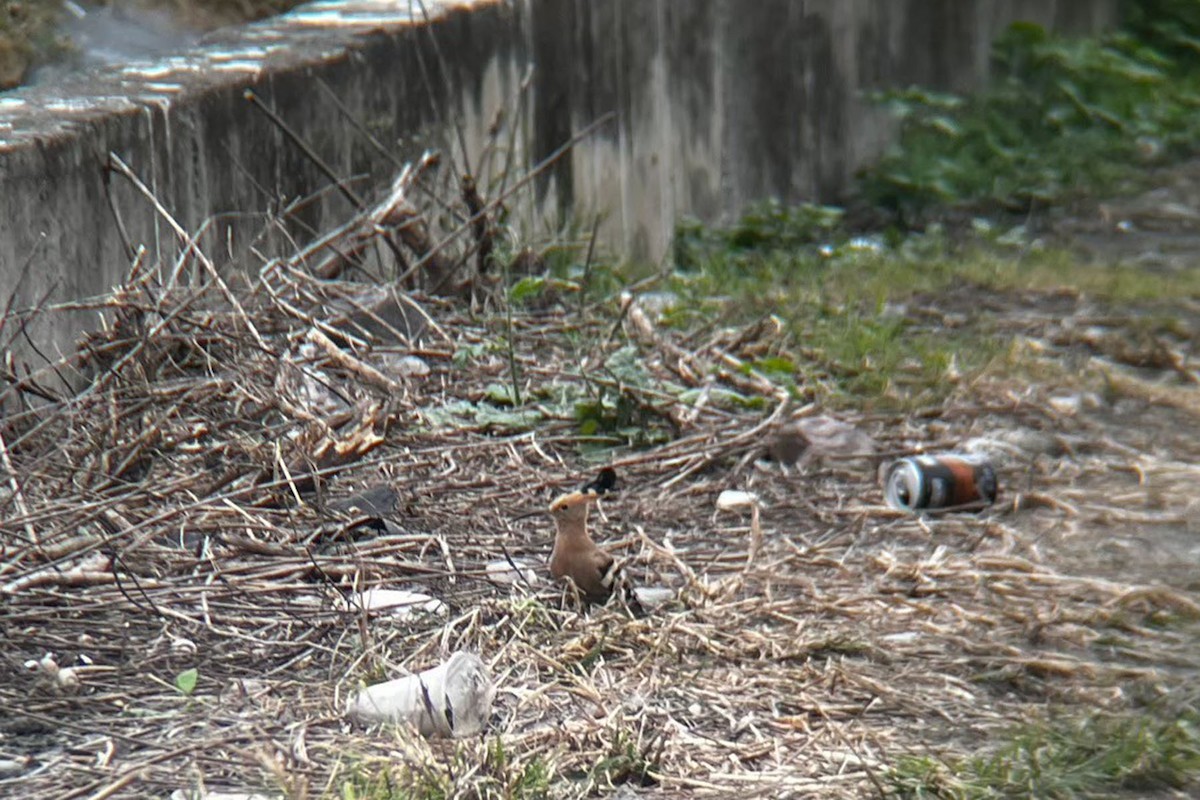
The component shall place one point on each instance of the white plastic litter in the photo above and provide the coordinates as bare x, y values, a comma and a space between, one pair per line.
405, 366
452, 699
653, 596
502, 571
398, 603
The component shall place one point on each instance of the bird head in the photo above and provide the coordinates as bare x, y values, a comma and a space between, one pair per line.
572, 507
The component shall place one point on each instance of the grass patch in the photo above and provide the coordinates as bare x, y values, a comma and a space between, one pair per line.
1097, 756
835, 296
1062, 116
628, 760
492, 774
859, 325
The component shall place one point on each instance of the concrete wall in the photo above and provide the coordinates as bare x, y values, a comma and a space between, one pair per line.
717, 103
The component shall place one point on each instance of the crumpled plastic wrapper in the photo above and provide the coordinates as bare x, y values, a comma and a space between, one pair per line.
452, 699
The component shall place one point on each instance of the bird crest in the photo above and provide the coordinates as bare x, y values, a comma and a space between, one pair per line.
590, 493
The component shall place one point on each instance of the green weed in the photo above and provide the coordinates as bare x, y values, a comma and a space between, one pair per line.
847, 340
872, 320
1097, 756
628, 760
1062, 116
496, 776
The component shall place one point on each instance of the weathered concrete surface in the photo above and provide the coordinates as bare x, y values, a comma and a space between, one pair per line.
716, 103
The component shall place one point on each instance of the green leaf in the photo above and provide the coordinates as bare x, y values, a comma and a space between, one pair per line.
185, 682
776, 365
529, 286
462, 414
499, 393
499, 420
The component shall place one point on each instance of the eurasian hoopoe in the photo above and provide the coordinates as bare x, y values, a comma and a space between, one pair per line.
576, 556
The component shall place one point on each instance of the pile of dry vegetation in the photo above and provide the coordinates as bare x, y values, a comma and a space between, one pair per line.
175, 532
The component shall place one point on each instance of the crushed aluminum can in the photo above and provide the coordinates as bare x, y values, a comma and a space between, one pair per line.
950, 480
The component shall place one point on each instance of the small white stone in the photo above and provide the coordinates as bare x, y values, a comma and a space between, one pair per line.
732, 498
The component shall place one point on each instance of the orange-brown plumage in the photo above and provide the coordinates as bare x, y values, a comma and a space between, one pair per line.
575, 554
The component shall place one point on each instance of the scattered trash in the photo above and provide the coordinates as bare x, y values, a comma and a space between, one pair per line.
651, 597
452, 699
1018, 444
1071, 404
657, 304
511, 573
398, 603
819, 437
301, 381
940, 481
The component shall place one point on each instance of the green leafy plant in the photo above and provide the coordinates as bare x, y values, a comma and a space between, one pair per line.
624, 400
1063, 115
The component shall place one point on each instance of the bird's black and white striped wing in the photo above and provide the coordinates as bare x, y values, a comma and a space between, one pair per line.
616, 582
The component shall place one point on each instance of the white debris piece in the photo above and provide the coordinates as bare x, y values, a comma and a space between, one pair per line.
452, 699
64, 678
1018, 444
730, 499
511, 573
304, 383
829, 436
399, 603
652, 597
734, 499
